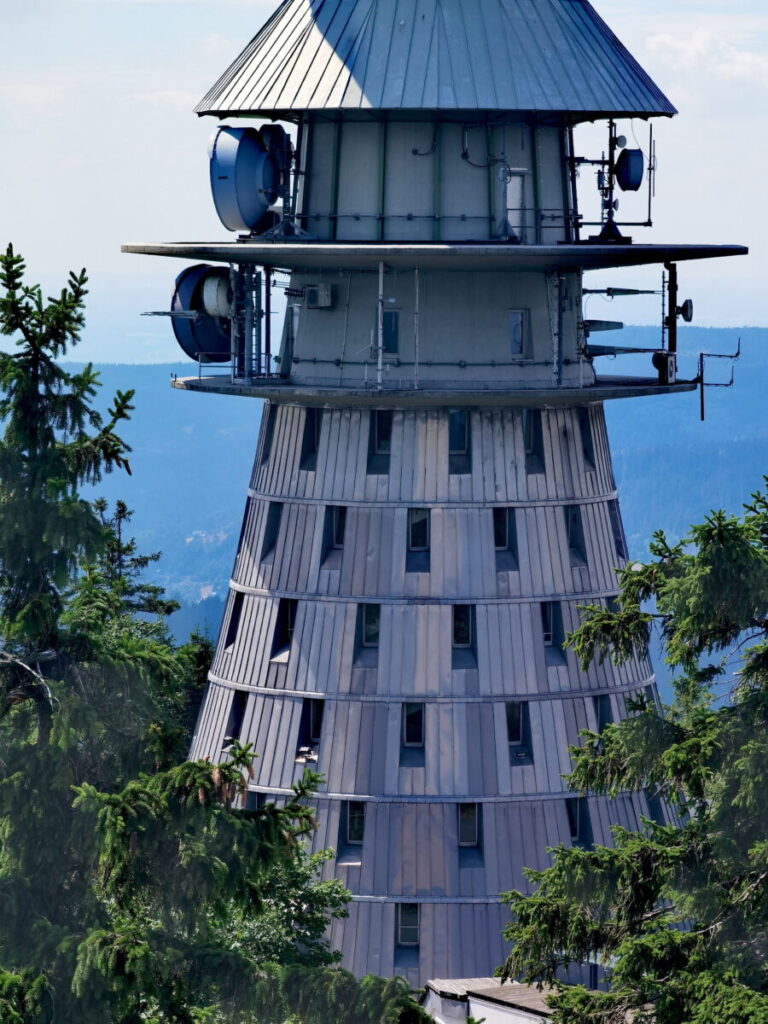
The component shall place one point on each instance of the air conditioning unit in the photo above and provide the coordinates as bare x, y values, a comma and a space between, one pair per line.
318, 296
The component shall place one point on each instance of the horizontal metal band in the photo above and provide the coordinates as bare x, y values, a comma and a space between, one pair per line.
437, 801
289, 499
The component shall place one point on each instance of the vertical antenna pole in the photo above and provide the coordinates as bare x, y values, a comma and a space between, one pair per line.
671, 320
234, 323
257, 318
416, 330
380, 331
267, 320
248, 319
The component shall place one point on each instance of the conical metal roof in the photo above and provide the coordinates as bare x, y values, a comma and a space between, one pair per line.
538, 56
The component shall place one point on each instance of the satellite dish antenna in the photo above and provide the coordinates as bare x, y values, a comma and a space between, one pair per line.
686, 311
630, 170
245, 177
202, 304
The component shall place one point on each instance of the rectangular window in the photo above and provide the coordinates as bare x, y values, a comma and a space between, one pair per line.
269, 430
514, 710
310, 728
603, 713
413, 725
587, 441
533, 435
418, 529
469, 832
617, 529
552, 629
371, 624
574, 527
339, 525
407, 924
462, 625
517, 333
236, 715
505, 539
391, 339
271, 529
284, 625
355, 822
234, 621
579, 822
379, 441
310, 442
459, 442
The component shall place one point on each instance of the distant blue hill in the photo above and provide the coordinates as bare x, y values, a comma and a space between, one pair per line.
192, 458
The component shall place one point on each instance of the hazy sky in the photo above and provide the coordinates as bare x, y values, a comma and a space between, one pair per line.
100, 146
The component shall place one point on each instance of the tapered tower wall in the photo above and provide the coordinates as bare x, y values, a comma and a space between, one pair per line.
564, 544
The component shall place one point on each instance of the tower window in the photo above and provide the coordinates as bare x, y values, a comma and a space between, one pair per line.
517, 333
418, 529
236, 715
469, 827
271, 530
617, 529
391, 340
579, 822
505, 539
552, 629
355, 822
379, 441
310, 442
587, 440
408, 924
339, 524
514, 710
334, 529
284, 626
413, 725
603, 713
269, 430
310, 729
574, 527
533, 434
371, 624
518, 732
459, 442
462, 625
234, 621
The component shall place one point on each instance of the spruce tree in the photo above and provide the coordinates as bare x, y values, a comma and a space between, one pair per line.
676, 912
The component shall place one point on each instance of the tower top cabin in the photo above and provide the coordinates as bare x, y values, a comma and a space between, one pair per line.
425, 205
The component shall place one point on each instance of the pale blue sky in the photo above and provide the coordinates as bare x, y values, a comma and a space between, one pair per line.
101, 145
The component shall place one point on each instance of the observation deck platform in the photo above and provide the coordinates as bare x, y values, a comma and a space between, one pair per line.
481, 256
433, 394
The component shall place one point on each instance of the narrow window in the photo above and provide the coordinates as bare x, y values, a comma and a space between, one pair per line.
371, 624
587, 441
418, 529
505, 539
379, 441
462, 625
413, 725
469, 832
459, 443
310, 442
574, 527
269, 430
517, 333
339, 525
518, 732
310, 729
579, 823
284, 626
391, 332
407, 924
617, 529
603, 713
236, 716
271, 530
234, 621
355, 822
552, 629
533, 433
655, 808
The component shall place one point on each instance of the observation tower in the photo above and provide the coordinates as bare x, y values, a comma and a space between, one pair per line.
432, 495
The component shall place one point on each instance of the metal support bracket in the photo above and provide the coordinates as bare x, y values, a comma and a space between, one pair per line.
709, 384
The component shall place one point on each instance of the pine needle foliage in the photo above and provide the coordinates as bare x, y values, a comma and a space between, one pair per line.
678, 911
